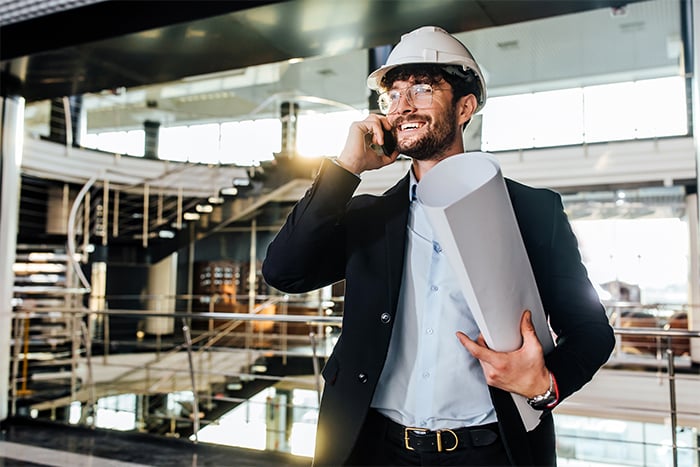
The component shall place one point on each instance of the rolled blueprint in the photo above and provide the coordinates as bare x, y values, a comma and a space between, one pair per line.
466, 200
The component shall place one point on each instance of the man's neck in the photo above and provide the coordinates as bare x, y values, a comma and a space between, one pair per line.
420, 168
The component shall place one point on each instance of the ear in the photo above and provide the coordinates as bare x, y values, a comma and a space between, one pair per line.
466, 106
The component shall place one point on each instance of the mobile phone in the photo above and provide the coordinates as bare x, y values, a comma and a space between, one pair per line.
389, 145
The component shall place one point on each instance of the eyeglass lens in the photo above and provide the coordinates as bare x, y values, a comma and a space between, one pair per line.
419, 96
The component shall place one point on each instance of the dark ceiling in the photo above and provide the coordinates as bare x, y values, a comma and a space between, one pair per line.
118, 43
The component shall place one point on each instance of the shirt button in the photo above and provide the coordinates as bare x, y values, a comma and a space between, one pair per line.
386, 317
429, 330
426, 375
362, 378
434, 288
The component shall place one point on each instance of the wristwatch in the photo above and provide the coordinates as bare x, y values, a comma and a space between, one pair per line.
548, 399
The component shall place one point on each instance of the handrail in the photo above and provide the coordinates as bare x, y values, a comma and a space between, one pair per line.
214, 336
232, 321
670, 367
328, 320
655, 332
70, 243
207, 340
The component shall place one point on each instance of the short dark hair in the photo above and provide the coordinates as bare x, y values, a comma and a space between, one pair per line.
463, 83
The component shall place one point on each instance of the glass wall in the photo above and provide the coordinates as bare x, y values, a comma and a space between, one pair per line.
627, 251
593, 114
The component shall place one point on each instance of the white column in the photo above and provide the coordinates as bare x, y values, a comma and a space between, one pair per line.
162, 285
12, 124
691, 204
276, 423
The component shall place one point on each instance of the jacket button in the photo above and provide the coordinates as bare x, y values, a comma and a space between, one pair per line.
362, 378
386, 317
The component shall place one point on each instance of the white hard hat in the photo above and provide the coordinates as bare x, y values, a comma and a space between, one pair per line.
429, 44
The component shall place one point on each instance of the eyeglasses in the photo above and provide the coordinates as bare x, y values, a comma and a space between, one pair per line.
419, 96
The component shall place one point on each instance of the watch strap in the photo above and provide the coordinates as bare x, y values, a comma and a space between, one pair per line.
548, 399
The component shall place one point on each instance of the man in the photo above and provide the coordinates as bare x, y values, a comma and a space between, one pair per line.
404, 385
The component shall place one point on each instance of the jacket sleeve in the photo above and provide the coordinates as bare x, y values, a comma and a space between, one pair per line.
583, 334
309, 251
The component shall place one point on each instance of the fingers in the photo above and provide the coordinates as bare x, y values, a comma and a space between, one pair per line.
374, 125
478, 348
465, 340
483, 354
376, 135
358, 154
521, 371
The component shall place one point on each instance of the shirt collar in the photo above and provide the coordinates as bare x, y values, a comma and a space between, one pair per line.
412, 186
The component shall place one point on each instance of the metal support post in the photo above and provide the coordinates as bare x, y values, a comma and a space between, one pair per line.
195, 396
672, 399
144, 239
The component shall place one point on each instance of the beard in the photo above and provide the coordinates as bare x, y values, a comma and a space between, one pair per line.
438, 138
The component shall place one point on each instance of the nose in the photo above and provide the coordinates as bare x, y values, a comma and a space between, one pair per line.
404, 105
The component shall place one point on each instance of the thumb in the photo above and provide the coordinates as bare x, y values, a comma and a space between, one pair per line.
527, 329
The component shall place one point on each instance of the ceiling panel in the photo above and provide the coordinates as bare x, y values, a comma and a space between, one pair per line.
641, 41
120, 43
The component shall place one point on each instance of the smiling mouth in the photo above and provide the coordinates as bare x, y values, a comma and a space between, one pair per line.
410, 126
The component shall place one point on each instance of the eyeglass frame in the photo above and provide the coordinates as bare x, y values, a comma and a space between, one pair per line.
409, 94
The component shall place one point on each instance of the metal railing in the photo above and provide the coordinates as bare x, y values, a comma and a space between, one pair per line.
667, 336
202, 335
200, 355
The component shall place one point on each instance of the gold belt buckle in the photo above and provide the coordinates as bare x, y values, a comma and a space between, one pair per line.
439, 440
439, 433
405, 435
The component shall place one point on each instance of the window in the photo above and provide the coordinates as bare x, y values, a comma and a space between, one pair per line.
202, 143
119, 142
627, 250
251, 141
611, 112
324, 134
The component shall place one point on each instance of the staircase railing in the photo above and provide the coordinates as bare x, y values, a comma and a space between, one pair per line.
130, 376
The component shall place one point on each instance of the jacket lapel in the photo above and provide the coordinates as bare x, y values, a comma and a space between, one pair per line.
395, 238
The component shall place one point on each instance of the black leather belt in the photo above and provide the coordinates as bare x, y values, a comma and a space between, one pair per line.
423, 440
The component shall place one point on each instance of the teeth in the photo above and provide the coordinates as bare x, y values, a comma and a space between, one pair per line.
410, 126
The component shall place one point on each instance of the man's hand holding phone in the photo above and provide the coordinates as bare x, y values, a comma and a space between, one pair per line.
370, 145
389, 146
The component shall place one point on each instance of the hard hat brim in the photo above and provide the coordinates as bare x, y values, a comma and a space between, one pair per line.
374, 79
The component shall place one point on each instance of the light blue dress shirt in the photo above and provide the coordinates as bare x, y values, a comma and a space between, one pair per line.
429, 379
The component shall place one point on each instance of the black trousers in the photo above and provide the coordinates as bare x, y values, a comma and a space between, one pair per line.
381, 444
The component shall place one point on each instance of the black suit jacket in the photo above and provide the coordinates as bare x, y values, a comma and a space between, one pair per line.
331, 235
